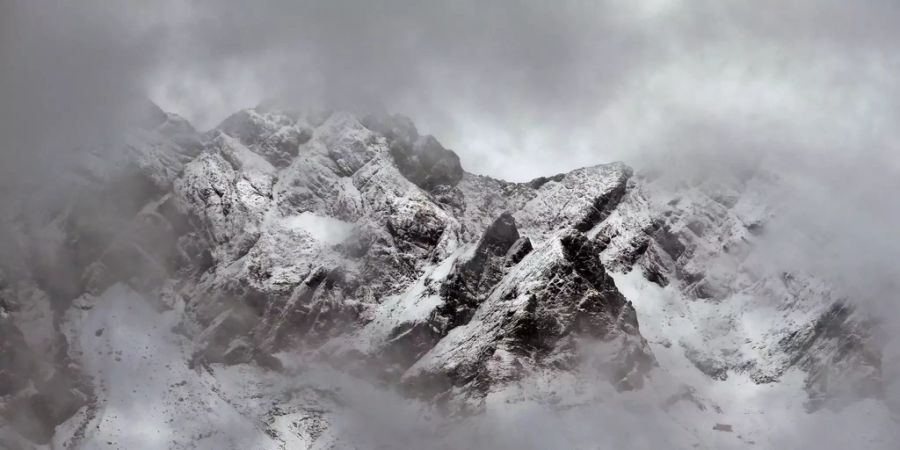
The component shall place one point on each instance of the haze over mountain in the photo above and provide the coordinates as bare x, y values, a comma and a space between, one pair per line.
309, 261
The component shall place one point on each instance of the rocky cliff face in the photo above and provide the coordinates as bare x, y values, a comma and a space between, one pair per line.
374, 243
279, 238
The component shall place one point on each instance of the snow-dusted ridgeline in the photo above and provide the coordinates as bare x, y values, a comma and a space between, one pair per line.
278, 281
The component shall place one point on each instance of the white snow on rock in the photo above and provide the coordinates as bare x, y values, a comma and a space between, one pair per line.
310, 225
146, 394
322, 228
771, 416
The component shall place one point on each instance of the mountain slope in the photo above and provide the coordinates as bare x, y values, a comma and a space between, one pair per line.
284, 278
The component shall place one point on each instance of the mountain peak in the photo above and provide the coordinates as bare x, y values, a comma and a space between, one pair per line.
284, 241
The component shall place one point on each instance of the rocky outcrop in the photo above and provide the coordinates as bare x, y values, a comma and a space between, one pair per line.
472, 279
274, 136
460, 292
840, 356
556, 296
421, 159
699, 240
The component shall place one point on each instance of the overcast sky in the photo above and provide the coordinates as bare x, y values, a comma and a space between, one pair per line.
518, 88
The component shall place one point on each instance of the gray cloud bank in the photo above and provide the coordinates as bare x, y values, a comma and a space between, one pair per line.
519, 89
568, 83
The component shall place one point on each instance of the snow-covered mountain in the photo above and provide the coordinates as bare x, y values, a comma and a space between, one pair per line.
332, 280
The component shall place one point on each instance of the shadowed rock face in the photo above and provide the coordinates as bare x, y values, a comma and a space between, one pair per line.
518, 250
474, 278
462, 291
835, 342
427, 163
277, 141
412, 215
536, 317
421, 159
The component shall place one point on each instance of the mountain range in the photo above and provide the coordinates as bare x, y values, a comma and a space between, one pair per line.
335, 280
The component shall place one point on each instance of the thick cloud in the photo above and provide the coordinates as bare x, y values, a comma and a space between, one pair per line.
562, 83
72, 75
591, 80
525, 60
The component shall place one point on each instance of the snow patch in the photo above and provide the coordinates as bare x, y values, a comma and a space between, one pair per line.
322, 228
147, 396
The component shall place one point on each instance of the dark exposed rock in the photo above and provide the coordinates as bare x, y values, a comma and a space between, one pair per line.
669, 242
242, 126
450, 197
540, 181
723, 427
423, 228
836, 338
473, 279
427, 163
394, 127
278, 144
713, 368
412, 340
468, 283
601, 208
518, 250
526, 323
315, 311
421, 159
496, 241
